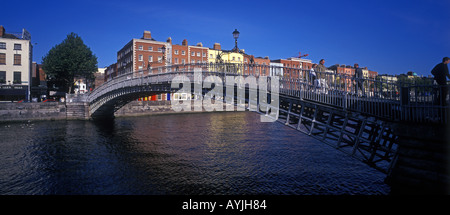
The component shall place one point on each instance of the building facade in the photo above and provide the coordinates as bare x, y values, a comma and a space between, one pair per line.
141, 54
15, 65
295, 67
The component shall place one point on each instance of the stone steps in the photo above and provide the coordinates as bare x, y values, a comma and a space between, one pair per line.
77, 110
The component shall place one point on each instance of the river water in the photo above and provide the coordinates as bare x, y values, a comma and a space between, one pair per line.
203, 153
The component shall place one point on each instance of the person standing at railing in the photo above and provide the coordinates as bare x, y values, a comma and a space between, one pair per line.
358, 79
312, 73
440, 73
320, 72
321, 68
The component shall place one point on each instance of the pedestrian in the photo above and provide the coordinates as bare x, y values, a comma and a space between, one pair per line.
358, 79
312, 73
440, 73
320, 72
321, 68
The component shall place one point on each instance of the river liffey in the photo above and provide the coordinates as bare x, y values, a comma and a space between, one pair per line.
229, 153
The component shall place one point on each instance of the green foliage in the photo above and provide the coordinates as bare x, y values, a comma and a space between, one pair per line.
68, 60
404, 80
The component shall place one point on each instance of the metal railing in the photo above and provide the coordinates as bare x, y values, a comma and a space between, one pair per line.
375, 97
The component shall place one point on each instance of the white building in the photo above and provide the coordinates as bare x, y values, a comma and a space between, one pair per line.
80, 86
276, 69
15, 65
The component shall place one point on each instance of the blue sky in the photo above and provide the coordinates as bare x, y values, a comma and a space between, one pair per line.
390, 37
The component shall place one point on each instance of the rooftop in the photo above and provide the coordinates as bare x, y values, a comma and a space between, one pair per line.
24, 35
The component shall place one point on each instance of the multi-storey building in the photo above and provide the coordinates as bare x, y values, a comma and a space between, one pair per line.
294, 67
198, 54
141, 54
180, 53
147, 53
257, 66
388, 78
217, 55
346, 70
110, 72
15, 65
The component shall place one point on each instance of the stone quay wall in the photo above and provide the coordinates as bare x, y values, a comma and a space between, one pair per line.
79, 110
32, 111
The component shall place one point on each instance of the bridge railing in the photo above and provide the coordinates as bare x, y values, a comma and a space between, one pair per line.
424, 103
377, 97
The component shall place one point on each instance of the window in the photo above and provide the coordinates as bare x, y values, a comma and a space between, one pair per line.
140, 58
183, 61
159, 59
2, 77
2, 45
210, 55
150, 48
198, 54
150, 58
17, 46
17, 78
176, 52
204, 54
193, 54
2, 58
176, 60
17, 59
141, 47
183, 53
160, 49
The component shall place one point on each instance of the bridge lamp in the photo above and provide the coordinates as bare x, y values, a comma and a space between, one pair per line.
236, 36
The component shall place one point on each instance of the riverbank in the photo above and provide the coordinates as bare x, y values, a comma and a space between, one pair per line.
32, 111
42, 111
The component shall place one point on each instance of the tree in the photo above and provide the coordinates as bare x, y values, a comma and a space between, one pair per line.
68, 60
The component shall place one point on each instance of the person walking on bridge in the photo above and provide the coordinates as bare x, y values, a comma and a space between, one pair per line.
358, 79
320, 73
312, 74
321, 68
440, 73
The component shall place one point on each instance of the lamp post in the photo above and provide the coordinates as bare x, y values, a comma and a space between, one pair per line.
236, 36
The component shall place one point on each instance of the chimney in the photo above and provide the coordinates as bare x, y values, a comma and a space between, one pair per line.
147, 35
217, 46
184, 43
169, 40
2, 30
200, 44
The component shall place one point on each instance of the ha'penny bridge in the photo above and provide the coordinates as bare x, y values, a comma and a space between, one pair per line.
396, 128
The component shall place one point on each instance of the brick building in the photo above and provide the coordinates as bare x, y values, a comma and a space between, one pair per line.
257, 66
141, 54
295, 67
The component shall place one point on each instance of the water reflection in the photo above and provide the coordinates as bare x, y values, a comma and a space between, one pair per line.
207, 153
